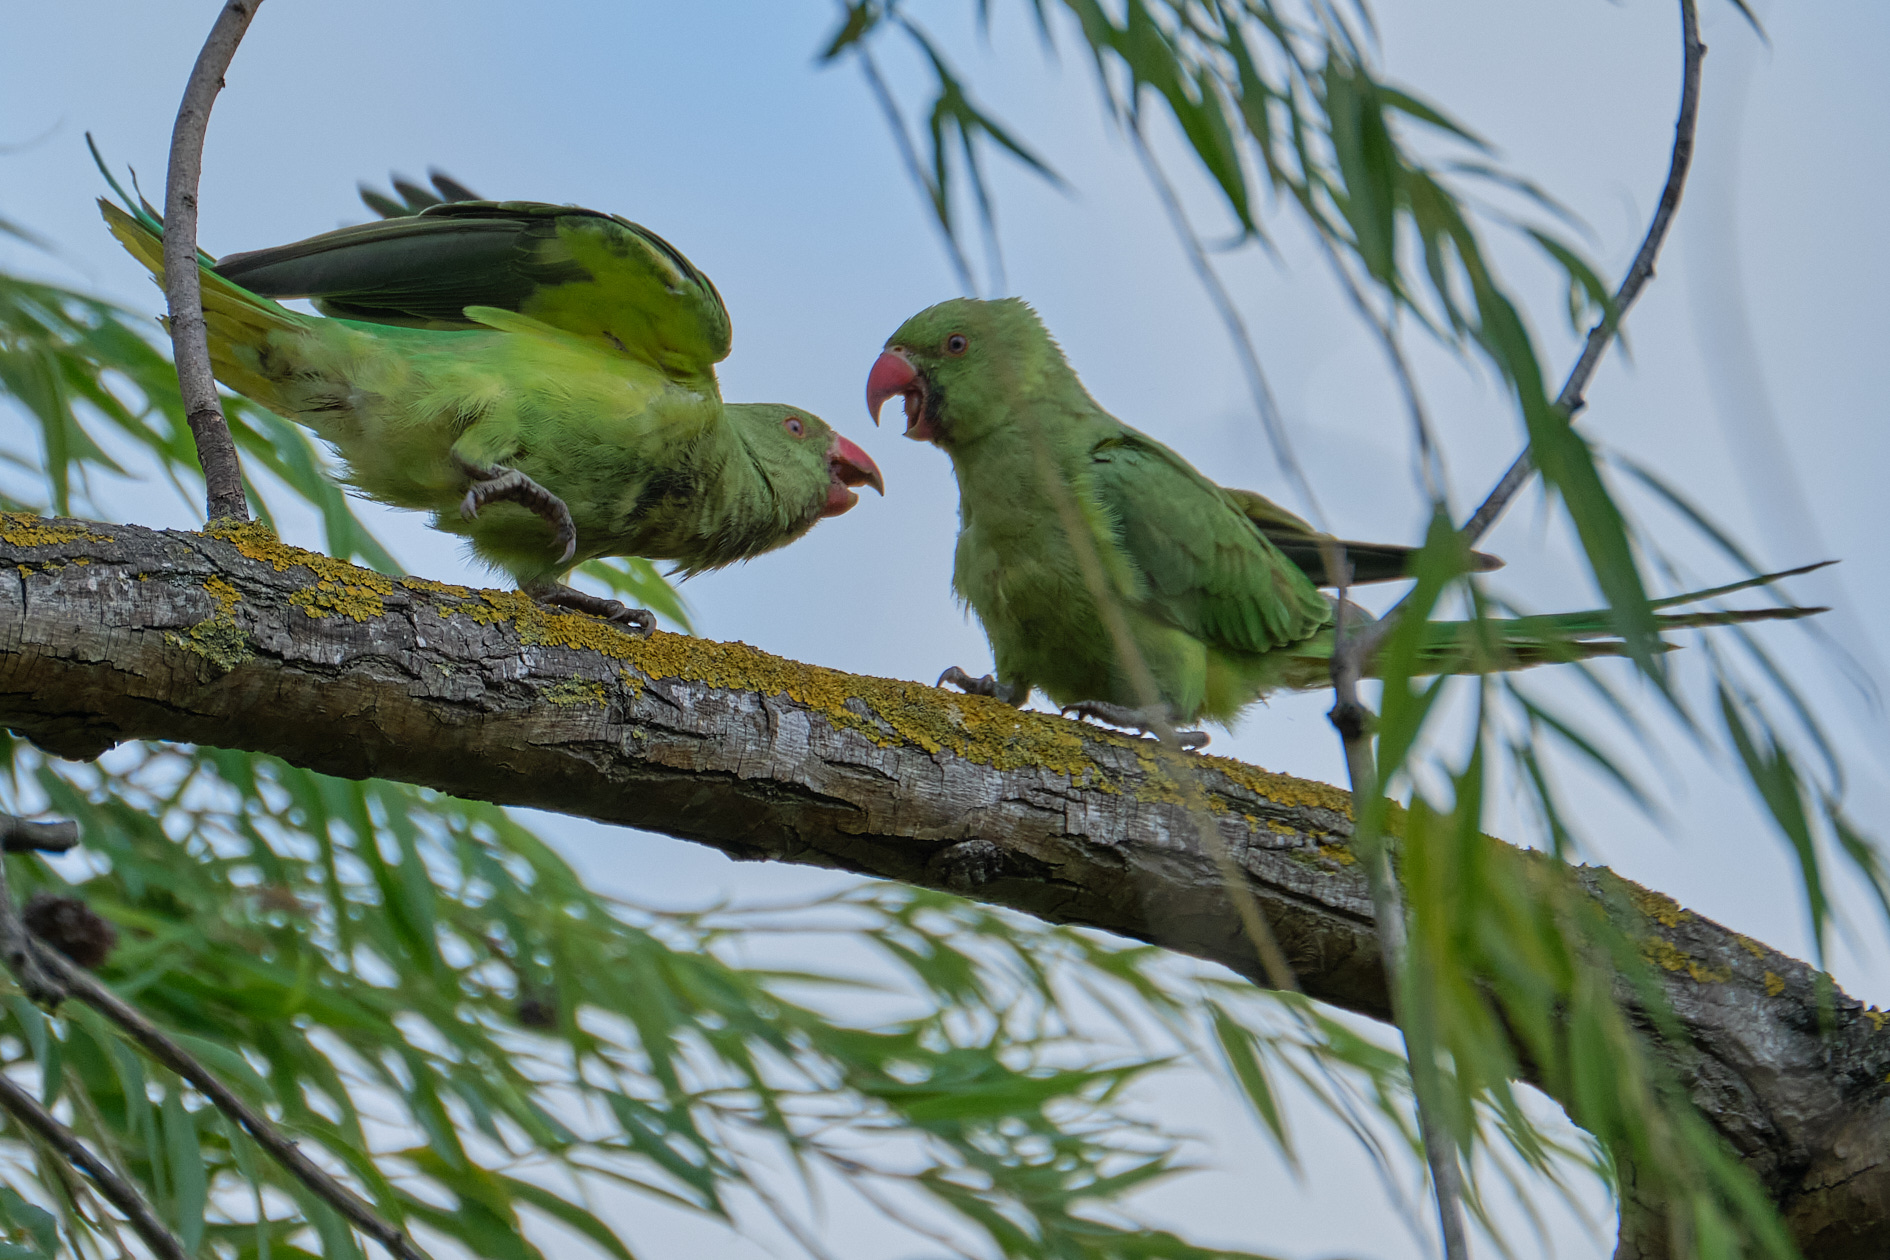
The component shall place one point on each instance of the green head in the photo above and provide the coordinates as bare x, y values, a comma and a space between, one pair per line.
810, 469
960, 366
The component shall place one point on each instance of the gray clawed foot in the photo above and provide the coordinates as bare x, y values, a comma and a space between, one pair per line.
986, 686
495, 483
1149, 721
558, 595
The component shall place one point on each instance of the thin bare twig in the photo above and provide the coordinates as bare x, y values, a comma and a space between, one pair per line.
1350, 651
120, 1193
354, 1209
17, 835
914, 167
1263, 400
17, 952
183, 288
1572, 397
1430, 452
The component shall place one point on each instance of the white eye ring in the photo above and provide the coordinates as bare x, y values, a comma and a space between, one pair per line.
956, 344
793, 425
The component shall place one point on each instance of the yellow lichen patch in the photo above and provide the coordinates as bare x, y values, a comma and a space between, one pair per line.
1877, 1018
429, 586
1659, 907
227, 596
1664, 953
1280, 788
341, 589
576, 691
339, 599
23, 529
1750, 946
1774, 984
1337, 853
217, 638
1160, 787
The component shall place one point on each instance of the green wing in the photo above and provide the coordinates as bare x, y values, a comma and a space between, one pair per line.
1299, 542
1209, 569
595, 275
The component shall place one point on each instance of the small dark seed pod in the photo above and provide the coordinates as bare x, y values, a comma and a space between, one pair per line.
71, 927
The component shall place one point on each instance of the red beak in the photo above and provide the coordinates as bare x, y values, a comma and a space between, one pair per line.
848, 465
894, 374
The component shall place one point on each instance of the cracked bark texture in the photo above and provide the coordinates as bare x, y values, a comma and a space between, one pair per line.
231, 639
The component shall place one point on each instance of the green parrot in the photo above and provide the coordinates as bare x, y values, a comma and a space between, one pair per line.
1218, 589
538, 377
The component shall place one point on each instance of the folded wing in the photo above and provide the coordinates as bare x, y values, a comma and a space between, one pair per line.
1208, 570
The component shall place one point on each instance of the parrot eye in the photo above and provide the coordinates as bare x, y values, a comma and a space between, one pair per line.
956, 344
793, 425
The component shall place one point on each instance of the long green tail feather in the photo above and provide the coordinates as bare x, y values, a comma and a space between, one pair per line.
1497, 646
238, 322
1500, 644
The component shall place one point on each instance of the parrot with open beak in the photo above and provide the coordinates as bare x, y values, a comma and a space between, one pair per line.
1083, 542
538, 377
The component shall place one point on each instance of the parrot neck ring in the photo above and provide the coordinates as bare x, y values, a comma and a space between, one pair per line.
893, 374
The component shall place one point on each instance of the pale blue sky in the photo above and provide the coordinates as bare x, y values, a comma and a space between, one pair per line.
710, 122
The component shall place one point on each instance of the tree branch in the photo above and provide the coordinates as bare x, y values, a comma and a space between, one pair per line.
183, 289
232, 639
120, 1193
17, 835
1574, 391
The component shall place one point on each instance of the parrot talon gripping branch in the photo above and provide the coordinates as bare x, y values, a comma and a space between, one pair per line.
1154, 721
988, 685
558, 595
1114, 577
562, 360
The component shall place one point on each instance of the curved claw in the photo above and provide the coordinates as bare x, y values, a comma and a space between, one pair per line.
496, 484
642, 620
959, 679
1151, 721
986, 686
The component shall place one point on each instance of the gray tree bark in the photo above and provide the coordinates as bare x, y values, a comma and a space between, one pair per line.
232, 639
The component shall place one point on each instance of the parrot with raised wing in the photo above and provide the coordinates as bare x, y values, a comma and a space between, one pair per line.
538, 377
1062, 507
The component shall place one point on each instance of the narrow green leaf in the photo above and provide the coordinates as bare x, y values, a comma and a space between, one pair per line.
190, 1184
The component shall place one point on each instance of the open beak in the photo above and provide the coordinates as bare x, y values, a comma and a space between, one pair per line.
847, 466
893, 374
